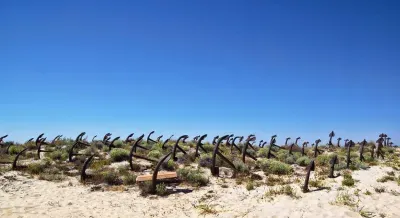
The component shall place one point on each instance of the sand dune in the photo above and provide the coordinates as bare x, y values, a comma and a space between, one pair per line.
28, 197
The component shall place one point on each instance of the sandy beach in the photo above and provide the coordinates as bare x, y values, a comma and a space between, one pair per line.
28, 197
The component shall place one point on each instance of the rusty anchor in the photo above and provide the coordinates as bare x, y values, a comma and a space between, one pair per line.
129, 138
78, 142
271, 146
331, 135
316, 150
338, 141
310, 168
149, 140
111, 144
349, 145
214, 141
133, 151
233, 144
244, 151
363, 143
199, 144
214, 168
332, 163
303, 149
176, 146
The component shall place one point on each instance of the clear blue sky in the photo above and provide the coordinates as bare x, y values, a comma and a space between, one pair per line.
292, 68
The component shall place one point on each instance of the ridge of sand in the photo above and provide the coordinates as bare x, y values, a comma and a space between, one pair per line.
27, 197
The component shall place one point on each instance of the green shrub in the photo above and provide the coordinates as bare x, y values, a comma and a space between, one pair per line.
119, 143
145, 187
15, 149
51, 177
169, 165
323, 160
208, 147
155, 154
290, 159
119, 154
58, 155
249, 186
241, 167
112, 178
37, 168
274, 167
194, 177
161, 189
99, 164
129, 179
386, 178
347, 179
303, 161
262, 152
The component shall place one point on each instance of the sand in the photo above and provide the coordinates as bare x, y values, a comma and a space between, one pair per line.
29, 197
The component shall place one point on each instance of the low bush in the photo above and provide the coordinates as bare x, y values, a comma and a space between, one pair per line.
274, 167
303, 161
15, 149
119, 154
112, 178
154, 154
161, 189
129, 179
194, 177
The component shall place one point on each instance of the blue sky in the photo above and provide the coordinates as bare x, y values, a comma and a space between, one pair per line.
291, 68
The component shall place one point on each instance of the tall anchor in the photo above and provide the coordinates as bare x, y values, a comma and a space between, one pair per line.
133, 151
244, 151
176, 146
271, 145
199, 144
165, 143
316, 150
149, 140
214, 168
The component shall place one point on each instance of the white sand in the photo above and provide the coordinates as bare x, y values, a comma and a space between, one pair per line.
25, 197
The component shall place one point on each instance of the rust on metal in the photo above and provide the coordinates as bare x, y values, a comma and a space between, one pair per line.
176, 146
199, 144
331, 135
14, 164
310, 168
271, 146
286, 141
106, 138
233, 144
78, 142
338, 141
149, 140
111, 144
332, 163
42, 141
362, 145
215, 140
155, 173
379, 151
260, 143
159, 138
244, 151
214, 168
316, 150
133, 151
348, 161
196, 138
303, 149
85, 166
56, 139
129, 138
